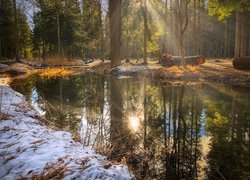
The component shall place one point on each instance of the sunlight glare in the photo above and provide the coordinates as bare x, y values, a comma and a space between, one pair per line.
134, 123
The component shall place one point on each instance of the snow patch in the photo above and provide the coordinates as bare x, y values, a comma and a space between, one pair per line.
122, 69
30, 149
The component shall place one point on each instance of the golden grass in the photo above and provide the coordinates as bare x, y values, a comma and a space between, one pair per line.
5, 80
55, 72
183, 68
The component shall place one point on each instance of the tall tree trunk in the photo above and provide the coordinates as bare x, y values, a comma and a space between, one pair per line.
166, 38
171, 27
1, 55
237, 35
194, 29
249, 42
58, 36
100, 46
17, 46
244, 34
145, 32
225, 40
181, 8
199, 27
115, 32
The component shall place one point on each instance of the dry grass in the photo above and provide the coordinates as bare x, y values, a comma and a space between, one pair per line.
52, 171
5, 80
182, 68
221, 71
55, 72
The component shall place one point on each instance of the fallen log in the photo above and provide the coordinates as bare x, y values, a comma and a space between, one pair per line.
241, 62
168, 60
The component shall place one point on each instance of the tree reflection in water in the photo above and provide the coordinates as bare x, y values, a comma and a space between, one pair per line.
163, 132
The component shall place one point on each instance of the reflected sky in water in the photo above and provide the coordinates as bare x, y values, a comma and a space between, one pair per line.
198, 131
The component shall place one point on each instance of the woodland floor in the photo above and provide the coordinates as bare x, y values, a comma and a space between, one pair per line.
219, 71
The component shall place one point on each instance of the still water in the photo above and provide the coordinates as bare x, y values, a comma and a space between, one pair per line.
164, 132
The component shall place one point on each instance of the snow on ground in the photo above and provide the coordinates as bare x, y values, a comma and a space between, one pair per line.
30, 149
3, 66
129, 70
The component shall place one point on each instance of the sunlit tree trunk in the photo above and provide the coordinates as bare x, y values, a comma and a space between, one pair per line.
115, 32
166, 38
181, 8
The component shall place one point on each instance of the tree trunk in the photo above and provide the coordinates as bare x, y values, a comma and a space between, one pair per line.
58, 36
115, 32
165, 38
145, 32
194, 29
244, 34
237, 35
17, 53
181, 8
199, 26
171, 27
225, 40
249, 42
1, 49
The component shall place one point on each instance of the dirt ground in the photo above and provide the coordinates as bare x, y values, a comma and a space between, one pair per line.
221, 71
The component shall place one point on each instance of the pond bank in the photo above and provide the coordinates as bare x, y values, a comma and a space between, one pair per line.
221, 71
218, 71
31, 149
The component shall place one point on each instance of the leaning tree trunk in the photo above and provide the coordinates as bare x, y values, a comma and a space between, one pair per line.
115, 32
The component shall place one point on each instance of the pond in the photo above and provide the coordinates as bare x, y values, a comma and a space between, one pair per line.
163, 132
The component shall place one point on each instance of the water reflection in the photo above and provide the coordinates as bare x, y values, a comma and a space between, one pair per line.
163, 132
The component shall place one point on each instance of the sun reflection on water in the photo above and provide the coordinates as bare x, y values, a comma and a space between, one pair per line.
134, 123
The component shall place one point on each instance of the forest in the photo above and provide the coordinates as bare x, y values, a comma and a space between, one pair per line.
73, 29
125, 89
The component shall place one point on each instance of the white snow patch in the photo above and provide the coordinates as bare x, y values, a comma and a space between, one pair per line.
3, 66
28, 148
123, 69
